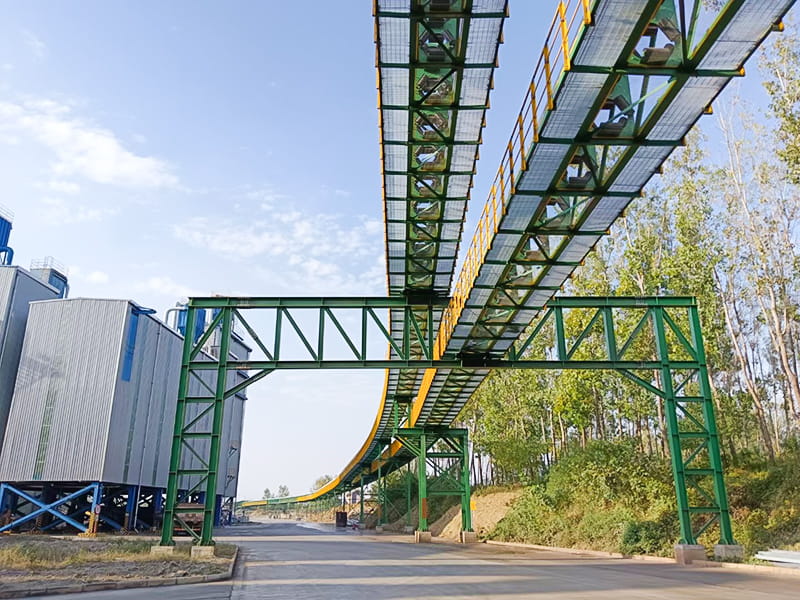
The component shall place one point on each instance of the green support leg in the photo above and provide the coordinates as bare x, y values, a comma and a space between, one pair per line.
206, 535
676, 456
167, 528
422, 482
715, 455
692, 466
466, 500
673, 431
381, 497
361, 502
409, 477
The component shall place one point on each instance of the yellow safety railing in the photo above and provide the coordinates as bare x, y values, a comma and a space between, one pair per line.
555, 60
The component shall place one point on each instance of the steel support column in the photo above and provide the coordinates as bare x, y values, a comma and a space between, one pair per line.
361, 501
409, 477
422, 482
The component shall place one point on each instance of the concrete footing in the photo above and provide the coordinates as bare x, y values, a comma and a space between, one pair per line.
162, 550
422, 537
729, 552
408, 529
203, 551
468, 537
379, 529
686, 553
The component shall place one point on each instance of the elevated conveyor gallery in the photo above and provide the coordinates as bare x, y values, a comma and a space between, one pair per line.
618, 86
435, 63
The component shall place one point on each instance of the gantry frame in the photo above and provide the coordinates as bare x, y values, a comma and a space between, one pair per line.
658, 345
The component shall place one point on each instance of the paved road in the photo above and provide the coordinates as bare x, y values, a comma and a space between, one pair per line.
285, 560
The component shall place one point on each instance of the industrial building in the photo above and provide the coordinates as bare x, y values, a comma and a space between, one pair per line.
88, 391
92, 417
18, 288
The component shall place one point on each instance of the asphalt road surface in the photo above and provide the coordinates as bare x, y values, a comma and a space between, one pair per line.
288, 560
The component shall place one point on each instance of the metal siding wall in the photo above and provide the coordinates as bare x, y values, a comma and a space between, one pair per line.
18, 456
90, 345
225, 439
161, 419
63, 397
131, 406
235, 426
17, 290
238, 348
8, 277
188, 460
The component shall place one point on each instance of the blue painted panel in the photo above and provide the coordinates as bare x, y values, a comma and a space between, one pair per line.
5, 231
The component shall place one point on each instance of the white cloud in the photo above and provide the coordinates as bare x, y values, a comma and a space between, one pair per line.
61, 187
266, 196
166, 286
98, 277
282, 234
83, 148
297, 252
57, 211
35, 44
95, 277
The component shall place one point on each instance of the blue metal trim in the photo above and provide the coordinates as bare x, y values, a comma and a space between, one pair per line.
218, 511
130, 345
49, 508
8, 257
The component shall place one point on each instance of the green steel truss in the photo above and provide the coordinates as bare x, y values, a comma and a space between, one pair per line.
654, 342
435, 62
602, 113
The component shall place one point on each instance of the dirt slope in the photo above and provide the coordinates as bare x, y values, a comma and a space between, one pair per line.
489, 509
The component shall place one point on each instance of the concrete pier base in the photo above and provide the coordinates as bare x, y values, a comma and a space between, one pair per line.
408, 529
728, 552
686, 553
203, 551
379, 529
468, 537
162, 550
422, 537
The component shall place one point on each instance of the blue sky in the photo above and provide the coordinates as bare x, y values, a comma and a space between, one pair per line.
168, 149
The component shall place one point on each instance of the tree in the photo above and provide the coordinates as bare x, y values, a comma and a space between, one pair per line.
283, 491
320, 482
267, 494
